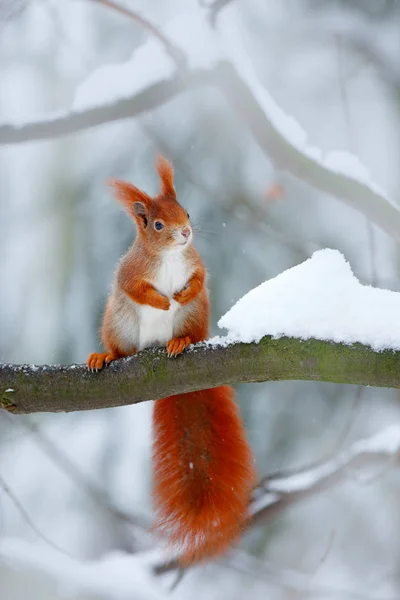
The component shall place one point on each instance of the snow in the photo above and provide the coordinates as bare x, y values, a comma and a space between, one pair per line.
320, 298
386, 442
188, 31
348, 164
203, 48
110, 83
116, 576
341, 162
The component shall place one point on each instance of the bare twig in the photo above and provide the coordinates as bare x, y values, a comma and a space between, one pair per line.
6, 488
376, 43
214, 8
11, 9
288, 579
82, 480
175, 53
272, 496
281, 493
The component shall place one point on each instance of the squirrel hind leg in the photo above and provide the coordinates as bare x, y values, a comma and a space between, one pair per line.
177, 345
97, 360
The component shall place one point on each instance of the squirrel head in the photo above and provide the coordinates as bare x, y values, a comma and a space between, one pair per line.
161, 221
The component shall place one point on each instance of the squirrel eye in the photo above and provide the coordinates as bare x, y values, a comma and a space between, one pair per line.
158, 225
188, 216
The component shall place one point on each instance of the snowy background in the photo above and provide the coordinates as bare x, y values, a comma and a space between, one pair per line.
326, 75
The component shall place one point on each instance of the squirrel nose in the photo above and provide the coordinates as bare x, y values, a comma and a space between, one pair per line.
185, 232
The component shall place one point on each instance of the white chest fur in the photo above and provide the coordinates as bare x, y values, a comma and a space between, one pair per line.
156, 326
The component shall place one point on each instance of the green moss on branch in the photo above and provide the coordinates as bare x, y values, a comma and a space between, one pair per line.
151, 375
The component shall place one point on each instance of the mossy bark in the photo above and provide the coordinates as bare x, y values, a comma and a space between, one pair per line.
151, 375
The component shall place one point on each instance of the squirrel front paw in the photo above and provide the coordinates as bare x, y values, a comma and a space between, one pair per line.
161, 302
184, 296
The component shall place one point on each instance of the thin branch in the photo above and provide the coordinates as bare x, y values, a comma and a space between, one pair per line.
272, 496
7, 490
293, 581
82, 480
329, 456
281, 493
175, 53
377, 43
214, 9
151, 375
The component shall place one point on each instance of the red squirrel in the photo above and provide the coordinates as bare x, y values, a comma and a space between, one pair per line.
203, 466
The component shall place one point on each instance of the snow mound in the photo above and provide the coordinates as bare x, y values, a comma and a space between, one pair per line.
322, 299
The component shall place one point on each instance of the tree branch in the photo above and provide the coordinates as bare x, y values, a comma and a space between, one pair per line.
71, 122
367, 37
360, 196
370, 202
24, 514
175, 53
214, 8
151, 375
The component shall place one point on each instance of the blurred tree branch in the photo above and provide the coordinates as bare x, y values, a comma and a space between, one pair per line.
214, 8
151, 375
274, 493
277, 492
175, 53
283, 153
18, 505
71, 122
378, 42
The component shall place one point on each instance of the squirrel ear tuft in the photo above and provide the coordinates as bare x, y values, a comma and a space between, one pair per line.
135, 202
166, 174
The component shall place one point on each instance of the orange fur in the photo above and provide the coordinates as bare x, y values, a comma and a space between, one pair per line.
203, 472
177, 345
144, 293
192, 289
203, 466
166, 174
127, 194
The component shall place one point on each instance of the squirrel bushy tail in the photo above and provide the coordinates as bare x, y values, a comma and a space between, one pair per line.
203, 472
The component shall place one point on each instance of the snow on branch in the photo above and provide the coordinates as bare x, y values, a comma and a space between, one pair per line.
123, 90
313, 322
339, 174
128, 89
65, 123
273, 494
320, 298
